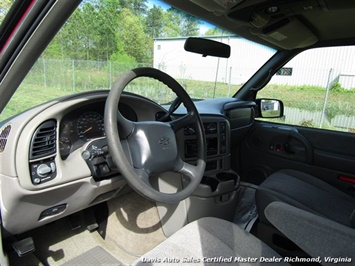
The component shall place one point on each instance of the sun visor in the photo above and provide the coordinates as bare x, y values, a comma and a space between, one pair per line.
288, 34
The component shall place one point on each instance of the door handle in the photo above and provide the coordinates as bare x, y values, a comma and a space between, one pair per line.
293, 133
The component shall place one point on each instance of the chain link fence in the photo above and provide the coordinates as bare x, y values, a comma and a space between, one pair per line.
77, 75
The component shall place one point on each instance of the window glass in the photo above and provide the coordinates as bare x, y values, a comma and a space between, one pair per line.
4, 8
317, 88
104, 39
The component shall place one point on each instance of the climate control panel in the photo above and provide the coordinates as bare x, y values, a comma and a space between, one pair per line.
217, 138
43, 171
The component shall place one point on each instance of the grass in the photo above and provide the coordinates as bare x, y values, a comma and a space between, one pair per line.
196, 89
302, 97
28, 96
312, 98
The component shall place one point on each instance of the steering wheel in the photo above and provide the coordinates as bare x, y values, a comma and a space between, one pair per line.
140, 149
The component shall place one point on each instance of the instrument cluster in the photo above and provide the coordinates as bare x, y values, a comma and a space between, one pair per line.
84, 124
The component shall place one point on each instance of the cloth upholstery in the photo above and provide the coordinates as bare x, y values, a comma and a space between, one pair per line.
306, 192
209, 239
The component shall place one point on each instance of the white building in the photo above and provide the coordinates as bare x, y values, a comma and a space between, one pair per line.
314, 67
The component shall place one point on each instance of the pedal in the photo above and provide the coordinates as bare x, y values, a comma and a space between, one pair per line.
92, 227
24, 246
74, 222
90, 220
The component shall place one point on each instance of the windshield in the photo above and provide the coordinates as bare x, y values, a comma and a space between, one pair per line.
103, 39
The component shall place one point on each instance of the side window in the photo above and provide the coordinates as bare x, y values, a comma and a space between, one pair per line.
317, 88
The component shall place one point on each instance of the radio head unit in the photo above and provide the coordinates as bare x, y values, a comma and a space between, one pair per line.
216, 138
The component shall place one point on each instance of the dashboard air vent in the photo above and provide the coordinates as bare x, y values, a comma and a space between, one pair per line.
4, 134
43, 141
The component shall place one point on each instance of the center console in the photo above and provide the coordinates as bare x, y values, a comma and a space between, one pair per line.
217, 194
217, 132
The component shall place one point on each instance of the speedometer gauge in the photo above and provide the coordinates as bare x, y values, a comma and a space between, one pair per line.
90, 125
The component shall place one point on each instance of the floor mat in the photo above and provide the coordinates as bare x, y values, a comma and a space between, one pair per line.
94, 256
134, 224
133, 228
246, 212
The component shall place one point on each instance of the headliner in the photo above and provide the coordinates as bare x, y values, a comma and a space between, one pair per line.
295, 24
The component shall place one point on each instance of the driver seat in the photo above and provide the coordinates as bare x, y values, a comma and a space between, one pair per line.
210, 241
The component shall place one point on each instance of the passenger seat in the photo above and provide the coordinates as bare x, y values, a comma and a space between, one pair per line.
308, 193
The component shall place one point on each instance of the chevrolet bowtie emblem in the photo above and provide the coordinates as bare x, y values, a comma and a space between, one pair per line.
164, 140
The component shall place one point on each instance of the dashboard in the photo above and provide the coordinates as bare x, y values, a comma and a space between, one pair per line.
46, 174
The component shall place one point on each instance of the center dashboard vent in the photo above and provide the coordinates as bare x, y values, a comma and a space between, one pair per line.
43, 141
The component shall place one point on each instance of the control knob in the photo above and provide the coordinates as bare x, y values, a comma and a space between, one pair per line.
43, 170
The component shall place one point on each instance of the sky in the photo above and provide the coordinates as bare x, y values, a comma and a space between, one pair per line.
203, 27
151, 3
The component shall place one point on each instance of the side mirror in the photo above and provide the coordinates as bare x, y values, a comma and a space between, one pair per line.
269, 108
207, 47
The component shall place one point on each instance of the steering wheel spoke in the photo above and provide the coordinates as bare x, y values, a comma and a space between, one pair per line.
186, 120
192, 171
126, 127
143, 175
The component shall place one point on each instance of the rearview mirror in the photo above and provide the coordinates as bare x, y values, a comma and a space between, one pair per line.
207, 47
269, 108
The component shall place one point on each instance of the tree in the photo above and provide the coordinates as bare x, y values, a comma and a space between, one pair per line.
171, 26
215, 32
135, 42
105, 30
113, 5
54, 50
189, 25
154, 22
89, 34
120, 55
4, 8
137, 7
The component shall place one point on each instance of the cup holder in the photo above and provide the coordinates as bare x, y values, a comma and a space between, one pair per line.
227, 176
211, 182
222, 183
